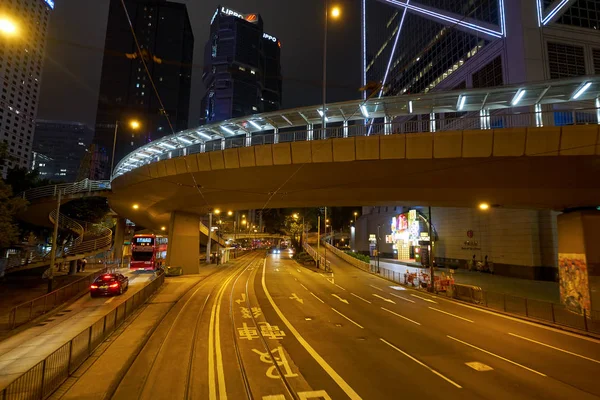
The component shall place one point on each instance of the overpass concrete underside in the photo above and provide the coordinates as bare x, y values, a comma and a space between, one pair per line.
554, 168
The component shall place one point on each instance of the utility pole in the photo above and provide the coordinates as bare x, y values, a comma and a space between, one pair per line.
209, 237
430, 252
378, 228
54, 244
318, 239
325, 258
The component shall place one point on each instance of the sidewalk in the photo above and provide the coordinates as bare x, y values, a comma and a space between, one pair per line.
535, 290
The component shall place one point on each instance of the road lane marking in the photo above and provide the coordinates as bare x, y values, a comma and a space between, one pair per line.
110, 300
421, 364
496, 355
304, 286
384, 299
340, 299
375, 287
317, 297
339, 286
355, 295
320, 360
522, 321
423, 298
347, 318
401, 316
555, 348
298, 269
477, 366
402, 297
452, 315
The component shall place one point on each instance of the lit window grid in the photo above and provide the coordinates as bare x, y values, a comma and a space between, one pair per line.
491, 75
565, 60
484, 10
20, 73
583, 14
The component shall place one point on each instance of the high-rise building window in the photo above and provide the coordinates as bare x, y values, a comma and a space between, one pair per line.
490, 75
565, 60
596, 53
583, 13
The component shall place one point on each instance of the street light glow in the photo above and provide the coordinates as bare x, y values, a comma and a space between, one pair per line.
230, 213
136, 206
217, 211
484, 206
295, 216
336, 12
8, 27
134, 124
163, 228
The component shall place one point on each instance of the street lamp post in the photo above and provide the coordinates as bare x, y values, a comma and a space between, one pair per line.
135, 125
335, 12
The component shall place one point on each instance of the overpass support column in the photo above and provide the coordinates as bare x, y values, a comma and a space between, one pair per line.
579, 260
248, 139
345, 129
309, 132
119, 239
222, 143
184, 242
276, 136
387, 125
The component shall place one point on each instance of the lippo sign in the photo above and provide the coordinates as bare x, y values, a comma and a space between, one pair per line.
228, 11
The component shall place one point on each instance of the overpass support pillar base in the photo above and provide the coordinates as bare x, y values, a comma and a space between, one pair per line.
184, 242
72, 267
120, 228
579, 260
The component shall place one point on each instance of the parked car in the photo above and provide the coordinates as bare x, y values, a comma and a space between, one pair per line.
109, 285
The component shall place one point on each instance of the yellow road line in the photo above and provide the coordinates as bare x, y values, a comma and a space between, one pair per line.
452, 315
421, 364
339, 286
304, 286
402, 297
360, 326
317, 297
496, 355
355, 295
330, 371
401, 316
555, 348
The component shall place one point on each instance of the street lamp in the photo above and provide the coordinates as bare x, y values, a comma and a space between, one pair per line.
133, 124
484, 206
8, 27
230, 213
335, 13
217, 211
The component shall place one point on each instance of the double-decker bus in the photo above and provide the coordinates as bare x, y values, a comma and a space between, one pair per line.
148, 252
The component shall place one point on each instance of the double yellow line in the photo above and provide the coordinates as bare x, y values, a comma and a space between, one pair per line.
214, 344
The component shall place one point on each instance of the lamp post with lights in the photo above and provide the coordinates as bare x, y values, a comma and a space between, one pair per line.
335, 14
133, 124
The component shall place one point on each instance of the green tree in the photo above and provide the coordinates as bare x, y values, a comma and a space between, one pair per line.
22, 179
293, 227
91, 209
9, 207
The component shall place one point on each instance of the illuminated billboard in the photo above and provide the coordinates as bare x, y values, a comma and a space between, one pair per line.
253, 18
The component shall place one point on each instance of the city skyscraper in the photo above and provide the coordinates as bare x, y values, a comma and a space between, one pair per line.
165, 36
21, 60
59, 147
242, 67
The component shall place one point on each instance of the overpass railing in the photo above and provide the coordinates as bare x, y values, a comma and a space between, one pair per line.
349, 259
572, 113
84, 186
319, 259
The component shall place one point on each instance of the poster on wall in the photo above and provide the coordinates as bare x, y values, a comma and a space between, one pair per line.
573, 282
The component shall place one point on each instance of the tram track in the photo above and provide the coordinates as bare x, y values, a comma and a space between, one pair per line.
168, 337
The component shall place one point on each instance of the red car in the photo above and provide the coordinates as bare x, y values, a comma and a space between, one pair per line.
109, 284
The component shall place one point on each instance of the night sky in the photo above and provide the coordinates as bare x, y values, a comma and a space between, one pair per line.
74, 52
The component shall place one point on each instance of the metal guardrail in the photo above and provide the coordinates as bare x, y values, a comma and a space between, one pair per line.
25, 312
44, 378
544, 311
319, 259
84, 186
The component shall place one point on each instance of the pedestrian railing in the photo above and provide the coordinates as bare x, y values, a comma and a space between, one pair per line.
84, 186
543, 311
25, 312
44, 378
349, 259
320, 261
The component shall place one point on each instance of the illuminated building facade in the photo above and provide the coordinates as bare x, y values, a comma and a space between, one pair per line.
418, 46
21, 61
242, 67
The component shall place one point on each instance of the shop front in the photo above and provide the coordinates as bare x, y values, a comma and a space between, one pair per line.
410, 237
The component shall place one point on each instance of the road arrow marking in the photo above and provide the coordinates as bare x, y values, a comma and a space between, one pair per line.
384, 299
295, 297
339, 298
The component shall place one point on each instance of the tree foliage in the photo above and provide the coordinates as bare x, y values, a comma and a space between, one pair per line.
293, 227
9, 207
22, 179
91, 209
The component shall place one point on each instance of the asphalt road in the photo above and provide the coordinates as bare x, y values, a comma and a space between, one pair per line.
347, 335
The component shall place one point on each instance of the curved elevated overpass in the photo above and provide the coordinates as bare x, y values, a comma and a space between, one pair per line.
529, 146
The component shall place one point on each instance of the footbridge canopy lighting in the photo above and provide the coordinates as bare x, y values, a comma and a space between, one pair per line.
204, 135
226, 129
364, 111
257, 126
582, 90
518, 97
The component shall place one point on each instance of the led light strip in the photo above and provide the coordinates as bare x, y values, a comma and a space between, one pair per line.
540, 9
